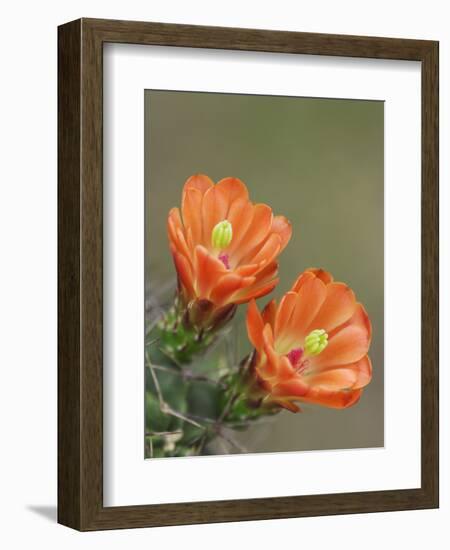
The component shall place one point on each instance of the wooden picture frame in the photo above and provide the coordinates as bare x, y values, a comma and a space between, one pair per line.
80, 271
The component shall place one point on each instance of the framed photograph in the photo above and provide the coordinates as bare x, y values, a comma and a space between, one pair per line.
248, 274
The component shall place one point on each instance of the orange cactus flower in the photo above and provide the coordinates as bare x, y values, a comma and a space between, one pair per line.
313, 346
224, 247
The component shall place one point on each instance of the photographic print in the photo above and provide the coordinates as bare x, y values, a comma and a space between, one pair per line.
236, 294
264, 274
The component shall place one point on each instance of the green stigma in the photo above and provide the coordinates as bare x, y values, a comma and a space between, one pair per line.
221, 235
316, 342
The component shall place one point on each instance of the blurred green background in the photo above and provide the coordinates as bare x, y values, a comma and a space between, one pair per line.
320, 163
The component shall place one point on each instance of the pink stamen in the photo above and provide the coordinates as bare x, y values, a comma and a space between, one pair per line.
224, 259
295, 357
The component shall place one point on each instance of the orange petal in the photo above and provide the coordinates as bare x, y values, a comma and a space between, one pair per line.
176, 234
255, 325
240, 216
293, 388
285, 370
268, 335
175, 218
362, 373
269, 313
271, 246
227, 285
184, 272
232, 189
214, 210
246, 244
282, 227
190, 209
361, 319
247, 269
309, 300
194, 189
283, 315
266, 272
268, 368
173, 224
333, 379
190, 239
265, 372
207, 270
265, 282
332, 399
336, 379
198, 181
255, 291
301, 280
182, 245
364, 369
269, 251
358, 319
323, 275
347, 346
338, 307
217, 203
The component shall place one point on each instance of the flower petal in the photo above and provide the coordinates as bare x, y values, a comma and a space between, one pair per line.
338, 307
282, 226
194, 189
269, 313
347, 346
285, 370
301, 280
207, 269
247, 269
240, 216
284, 313
227, 285
265, 283
217, 202
182, 245
358, 319
214, 210
269, 367
353, 376
232, 189
332, 399
333, 379
292, 389
323, 275
174, 224
269, 251
309, 300
246, 244
184, 272
190, 207
255, 325
255, 291
200, 182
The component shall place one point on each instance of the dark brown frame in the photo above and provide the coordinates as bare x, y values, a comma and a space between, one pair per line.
80, 415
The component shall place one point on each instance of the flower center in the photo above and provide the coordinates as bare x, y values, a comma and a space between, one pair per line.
221, 235
315, 343
225, 260
297, 359
295, 356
